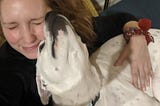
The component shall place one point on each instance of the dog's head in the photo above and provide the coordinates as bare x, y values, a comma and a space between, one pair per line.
61, 49
54, 24
63, 61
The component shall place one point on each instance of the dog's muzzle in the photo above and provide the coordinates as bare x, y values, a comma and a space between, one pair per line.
53, 23
63, 66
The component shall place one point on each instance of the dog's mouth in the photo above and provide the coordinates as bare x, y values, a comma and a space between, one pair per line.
53, 23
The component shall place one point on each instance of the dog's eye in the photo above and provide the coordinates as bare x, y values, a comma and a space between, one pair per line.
41, 46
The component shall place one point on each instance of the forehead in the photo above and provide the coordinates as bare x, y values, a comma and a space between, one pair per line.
13, 8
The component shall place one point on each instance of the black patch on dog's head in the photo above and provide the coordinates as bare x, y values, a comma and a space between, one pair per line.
54, 23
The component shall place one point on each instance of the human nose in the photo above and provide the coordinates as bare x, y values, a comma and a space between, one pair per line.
28, 34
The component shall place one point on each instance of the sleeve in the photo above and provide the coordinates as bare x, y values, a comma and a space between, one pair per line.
109, 26
11, 89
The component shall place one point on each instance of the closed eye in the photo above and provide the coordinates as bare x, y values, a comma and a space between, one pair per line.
10, 25
37, 23
11, 28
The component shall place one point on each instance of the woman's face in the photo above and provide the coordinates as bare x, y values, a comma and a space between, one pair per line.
22, 24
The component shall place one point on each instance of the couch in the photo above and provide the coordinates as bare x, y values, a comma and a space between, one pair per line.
140, 8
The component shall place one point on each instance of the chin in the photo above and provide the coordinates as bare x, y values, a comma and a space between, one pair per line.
31, 56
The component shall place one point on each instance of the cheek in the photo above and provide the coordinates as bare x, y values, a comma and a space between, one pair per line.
11, 36
39, 32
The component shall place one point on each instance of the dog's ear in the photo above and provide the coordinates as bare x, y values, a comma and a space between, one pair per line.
43, 93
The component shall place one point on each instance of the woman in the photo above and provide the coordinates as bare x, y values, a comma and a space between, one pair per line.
22, 24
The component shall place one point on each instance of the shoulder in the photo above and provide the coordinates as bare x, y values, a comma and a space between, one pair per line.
17, 77
6, 51
13, 63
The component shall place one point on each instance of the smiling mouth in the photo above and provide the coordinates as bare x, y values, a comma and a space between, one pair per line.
29, 49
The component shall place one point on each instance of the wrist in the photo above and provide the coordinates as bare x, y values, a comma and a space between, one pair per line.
142, 29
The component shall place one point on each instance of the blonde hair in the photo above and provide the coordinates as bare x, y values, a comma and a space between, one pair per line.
79, 16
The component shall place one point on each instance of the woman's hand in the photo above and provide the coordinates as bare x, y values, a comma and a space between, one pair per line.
137, 53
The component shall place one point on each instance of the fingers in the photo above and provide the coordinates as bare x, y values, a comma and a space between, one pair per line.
143, 79
150, 70
149, 74
135, 76
141, 75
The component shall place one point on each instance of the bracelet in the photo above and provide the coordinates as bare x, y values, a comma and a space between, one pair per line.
144, 25
135, 31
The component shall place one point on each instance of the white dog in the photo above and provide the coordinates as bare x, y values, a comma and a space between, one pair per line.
65, 72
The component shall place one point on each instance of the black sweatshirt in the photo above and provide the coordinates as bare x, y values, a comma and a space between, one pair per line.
18, 74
